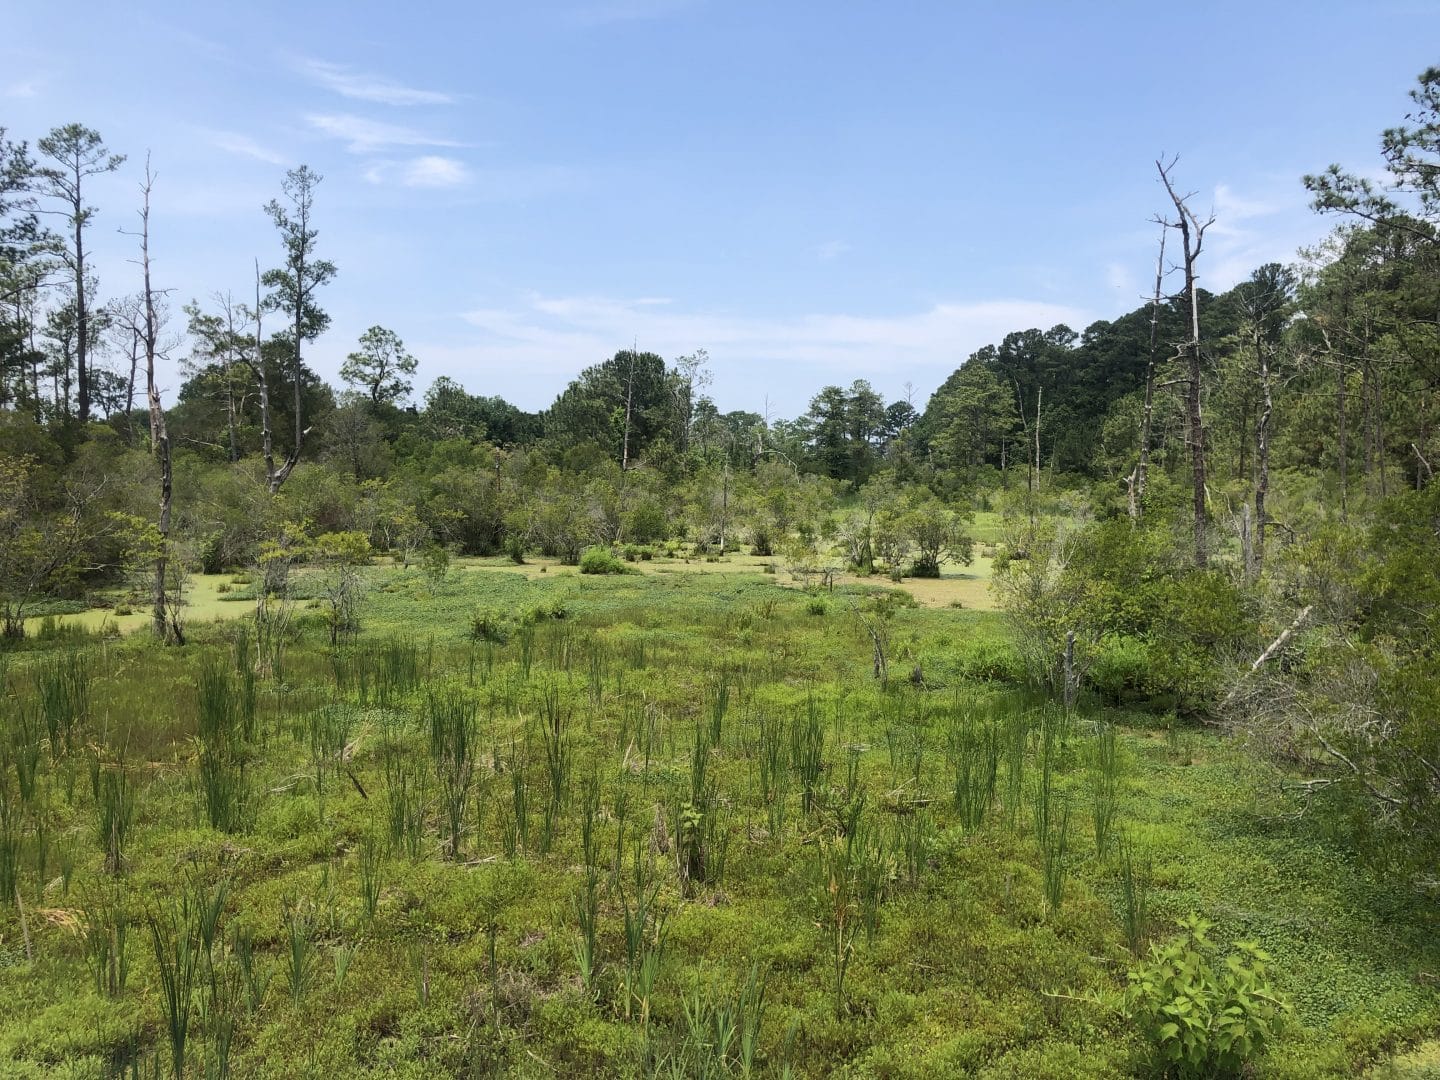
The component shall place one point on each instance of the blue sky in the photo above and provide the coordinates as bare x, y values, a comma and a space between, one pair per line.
812, 192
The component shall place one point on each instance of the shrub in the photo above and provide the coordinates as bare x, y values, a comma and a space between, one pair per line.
487, 625
1205, 1018
515, 551
817, 605
601, 560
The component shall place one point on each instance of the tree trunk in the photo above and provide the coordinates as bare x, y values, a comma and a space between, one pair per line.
1192, 238
167, 627
629, 405
267, 433
82, 315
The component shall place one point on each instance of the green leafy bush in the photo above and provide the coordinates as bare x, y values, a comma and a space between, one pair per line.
488, 625
1205, 1017
601, 560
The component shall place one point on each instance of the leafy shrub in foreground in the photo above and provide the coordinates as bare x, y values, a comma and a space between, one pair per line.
1204, 1018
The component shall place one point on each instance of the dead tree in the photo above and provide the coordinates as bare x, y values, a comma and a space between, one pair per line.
165, 614
1192, 241
262, 392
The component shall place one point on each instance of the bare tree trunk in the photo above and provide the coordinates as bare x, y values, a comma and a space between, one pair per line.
1429, 474
230, 418
1192, 239
130, 392
167, 628
82, 314
257, 368
629, 405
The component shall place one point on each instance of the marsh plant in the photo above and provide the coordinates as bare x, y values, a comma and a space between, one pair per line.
177, 960
1054, 848
371, 862
115, 804
1104, 778
62, 687
974, 752
1134, 897
645, 937
455, 751
221, 723
722, 1030
105, 928
807, 753
298, 924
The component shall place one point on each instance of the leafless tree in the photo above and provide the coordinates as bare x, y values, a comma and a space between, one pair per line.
1192, 241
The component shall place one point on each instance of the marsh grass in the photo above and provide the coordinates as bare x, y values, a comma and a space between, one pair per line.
62, 682
177, 959
1104, 780
105, 926
221, 726
454, 750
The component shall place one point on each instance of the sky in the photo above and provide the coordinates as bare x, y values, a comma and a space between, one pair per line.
811, 192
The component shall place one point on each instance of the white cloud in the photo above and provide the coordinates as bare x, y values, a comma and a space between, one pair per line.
365, 87
242, 145
615, 11
1250, 229
754, 355
28, 88
427, 171
367, 136
434, 171
831, 249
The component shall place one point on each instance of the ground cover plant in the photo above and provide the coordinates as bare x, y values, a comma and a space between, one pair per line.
665, 825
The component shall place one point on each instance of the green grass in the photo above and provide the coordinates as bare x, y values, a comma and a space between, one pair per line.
410, 962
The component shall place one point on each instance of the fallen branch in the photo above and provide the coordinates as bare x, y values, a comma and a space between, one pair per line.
1270, 650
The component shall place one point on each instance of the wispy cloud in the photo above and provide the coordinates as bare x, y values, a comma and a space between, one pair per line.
560, 334
831, 250
244, 146
427, 171
362, 86
364, 136
615, 11
27, 88
1252, 228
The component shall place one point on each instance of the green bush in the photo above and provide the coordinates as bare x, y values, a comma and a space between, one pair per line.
601, 560
1205, 1017
487, 625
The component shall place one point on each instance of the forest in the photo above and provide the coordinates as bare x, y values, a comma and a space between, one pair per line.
1077, 720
